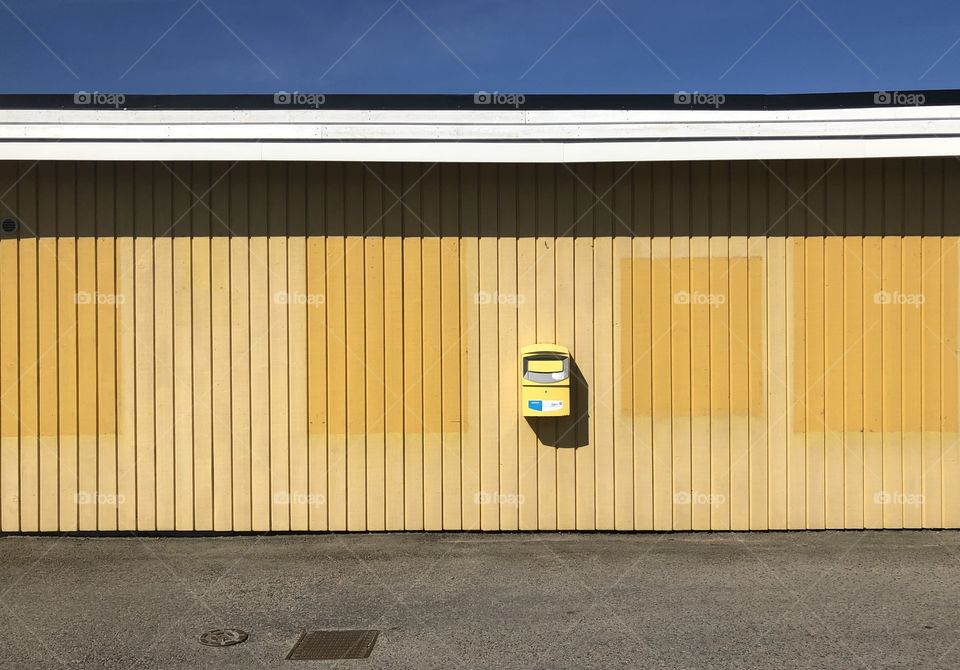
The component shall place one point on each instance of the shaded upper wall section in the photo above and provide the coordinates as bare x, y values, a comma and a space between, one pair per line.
729, 198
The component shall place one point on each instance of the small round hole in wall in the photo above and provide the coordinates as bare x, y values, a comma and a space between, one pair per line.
8, 225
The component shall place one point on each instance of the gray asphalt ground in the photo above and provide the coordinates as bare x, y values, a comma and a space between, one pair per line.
779, 600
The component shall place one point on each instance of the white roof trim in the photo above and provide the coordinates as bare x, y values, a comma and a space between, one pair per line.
478, 136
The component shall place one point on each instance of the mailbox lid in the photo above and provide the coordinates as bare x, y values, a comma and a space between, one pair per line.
544, 348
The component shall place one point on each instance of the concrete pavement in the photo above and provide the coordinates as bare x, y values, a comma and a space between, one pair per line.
765, 600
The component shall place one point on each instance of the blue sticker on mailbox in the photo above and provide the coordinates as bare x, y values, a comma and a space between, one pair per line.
545, 405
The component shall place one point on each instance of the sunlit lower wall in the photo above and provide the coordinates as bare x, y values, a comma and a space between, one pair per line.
334, 346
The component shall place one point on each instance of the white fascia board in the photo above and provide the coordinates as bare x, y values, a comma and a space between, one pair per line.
484, 152
477, 135
455, 132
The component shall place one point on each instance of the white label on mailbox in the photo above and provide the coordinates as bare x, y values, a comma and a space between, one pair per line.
558, 375
545, 405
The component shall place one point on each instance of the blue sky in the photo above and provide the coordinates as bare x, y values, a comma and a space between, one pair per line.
463, 46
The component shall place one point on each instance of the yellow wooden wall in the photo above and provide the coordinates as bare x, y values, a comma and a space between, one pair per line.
334, 346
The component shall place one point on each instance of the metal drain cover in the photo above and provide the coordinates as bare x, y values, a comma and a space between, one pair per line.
329, 645
223, 637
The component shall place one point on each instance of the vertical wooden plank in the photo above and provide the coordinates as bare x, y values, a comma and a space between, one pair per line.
183, 408
107, 443
10, 419
931, 352
911, 393
432, 352
892, 323
854, 336
739, 379
336, 349
796, 349
47, 359
489, 348
67, 304
604, 374
732, 180
393, 327
163, 218
814, 303
29, 371
833, 328
240, 346
126, 349
317, 344
278, 344
452, 345
200, 184
696, 301
546, 331
950, 366
260, 462
642, 273
527, 309
220, 348
719, 308
301, 502
680, 333
412, 348
470, 360
567, 434
355, 353
375, 377
778, 391
583, 353
872, 350
356, 374
143, 339
758, 288
624, 366
662, 294
506, 306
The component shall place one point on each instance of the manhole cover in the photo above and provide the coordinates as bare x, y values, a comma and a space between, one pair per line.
329, 645
223, 637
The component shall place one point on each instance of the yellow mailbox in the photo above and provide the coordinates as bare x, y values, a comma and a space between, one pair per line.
545, 380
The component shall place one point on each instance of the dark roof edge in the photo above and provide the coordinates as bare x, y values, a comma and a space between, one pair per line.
481, 100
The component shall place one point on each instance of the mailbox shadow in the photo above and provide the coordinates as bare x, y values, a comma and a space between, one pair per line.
566, 432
